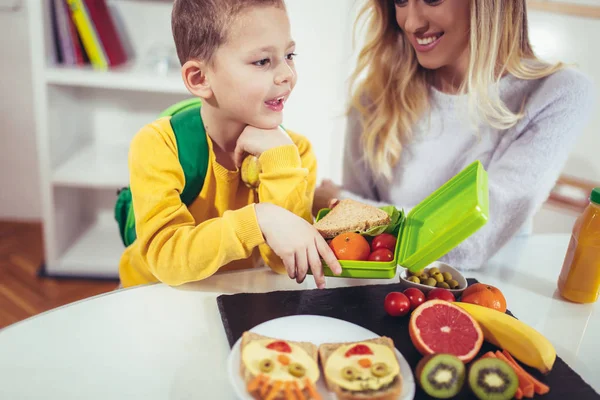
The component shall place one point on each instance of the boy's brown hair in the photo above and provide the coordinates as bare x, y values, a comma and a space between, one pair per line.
200, 26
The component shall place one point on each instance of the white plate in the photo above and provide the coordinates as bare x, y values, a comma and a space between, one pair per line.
317, 330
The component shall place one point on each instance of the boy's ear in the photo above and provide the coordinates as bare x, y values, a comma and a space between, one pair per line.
195, 79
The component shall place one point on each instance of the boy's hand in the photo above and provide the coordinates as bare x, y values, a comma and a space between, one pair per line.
296, 242
256, 141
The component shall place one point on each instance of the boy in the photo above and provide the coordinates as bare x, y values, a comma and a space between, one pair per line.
237, 56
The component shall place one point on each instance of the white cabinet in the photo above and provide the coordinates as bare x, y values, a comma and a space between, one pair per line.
84, 122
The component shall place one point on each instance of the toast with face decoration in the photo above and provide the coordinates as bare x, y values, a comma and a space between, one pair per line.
362, 370
276, 369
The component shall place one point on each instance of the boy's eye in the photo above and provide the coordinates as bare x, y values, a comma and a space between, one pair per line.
261, 63
291, 56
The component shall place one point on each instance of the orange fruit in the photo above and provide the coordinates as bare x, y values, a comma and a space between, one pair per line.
485, 296
438, 326
350, 246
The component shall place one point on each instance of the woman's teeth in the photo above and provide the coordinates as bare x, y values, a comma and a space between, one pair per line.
428, 40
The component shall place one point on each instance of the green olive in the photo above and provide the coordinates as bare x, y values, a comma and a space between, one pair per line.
266, 365
433, 270
430, 282
296, 370
414, 279
379, 369
437, 276
443, 285
349, 373
423, 276
447, 276
453, 284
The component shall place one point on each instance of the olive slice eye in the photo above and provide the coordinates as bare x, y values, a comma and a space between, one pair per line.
296, 370
266, 365
349, 373
379, 369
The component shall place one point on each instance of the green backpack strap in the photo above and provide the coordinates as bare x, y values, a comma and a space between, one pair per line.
192, 148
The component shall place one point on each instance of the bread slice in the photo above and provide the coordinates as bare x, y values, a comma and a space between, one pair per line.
248, 337
391, 392
351, 216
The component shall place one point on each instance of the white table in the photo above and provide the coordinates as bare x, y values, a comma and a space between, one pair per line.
158, 342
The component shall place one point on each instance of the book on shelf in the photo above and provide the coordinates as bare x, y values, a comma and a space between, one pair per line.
86, 33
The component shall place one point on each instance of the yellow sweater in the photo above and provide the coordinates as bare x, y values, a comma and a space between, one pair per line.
176, 244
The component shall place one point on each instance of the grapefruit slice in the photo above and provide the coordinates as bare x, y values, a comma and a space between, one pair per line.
438, 326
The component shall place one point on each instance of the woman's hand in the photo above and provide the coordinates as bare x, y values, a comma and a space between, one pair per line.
326, 192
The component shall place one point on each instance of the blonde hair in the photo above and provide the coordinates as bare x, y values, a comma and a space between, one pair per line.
394, 93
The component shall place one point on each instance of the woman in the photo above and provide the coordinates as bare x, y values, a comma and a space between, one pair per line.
448, 82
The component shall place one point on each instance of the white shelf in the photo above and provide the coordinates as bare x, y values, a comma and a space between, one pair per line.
128, 77
96, 253
94, 166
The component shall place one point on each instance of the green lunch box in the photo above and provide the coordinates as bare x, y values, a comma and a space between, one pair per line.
430, 230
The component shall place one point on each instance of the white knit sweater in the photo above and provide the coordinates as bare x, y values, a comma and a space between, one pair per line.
522, 162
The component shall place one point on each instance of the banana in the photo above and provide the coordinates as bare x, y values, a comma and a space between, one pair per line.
519, 339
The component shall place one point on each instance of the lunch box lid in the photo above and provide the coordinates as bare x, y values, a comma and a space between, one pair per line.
445, 218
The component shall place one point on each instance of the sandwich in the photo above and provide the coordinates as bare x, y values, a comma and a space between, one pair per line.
278, 369
351, 216
362, 370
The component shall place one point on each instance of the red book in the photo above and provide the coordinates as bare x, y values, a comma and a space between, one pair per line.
107, 32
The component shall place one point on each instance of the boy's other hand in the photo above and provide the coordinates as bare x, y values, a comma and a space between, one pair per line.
256, 141
296, 242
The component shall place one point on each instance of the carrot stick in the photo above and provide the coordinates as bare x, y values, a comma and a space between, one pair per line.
264, 388
489, 354
312, 391
299, 393
289, 395
524, 383
274, 390
538, 386
255, 383
519, 394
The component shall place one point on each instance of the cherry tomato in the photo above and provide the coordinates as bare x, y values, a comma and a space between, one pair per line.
442, 294
280, 346
415, 296
384, 241
359, 350
381, 255
396, 304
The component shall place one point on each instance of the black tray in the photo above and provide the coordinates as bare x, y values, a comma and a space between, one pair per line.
363, 305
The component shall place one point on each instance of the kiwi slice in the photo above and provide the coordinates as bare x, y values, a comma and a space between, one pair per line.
441, 375
493, 379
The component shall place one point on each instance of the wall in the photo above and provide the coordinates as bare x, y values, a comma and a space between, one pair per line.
19, 182
570, 39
